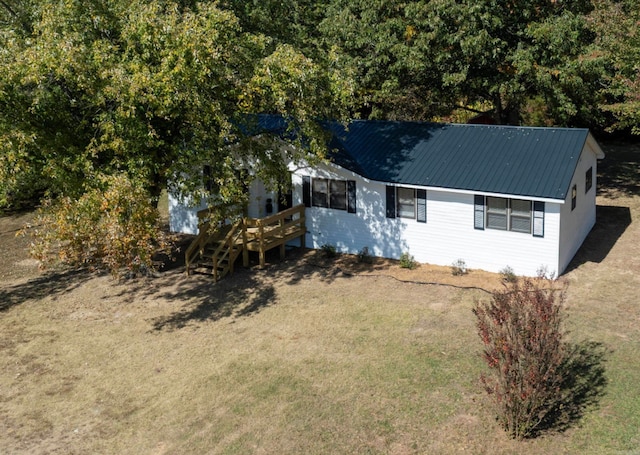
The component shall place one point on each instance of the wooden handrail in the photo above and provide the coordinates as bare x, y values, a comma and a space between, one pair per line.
225, 247
263, 233
197, 245
280, 216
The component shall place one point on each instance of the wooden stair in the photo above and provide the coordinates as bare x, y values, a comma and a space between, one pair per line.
215, 252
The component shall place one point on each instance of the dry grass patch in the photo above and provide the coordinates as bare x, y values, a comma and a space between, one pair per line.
307, 356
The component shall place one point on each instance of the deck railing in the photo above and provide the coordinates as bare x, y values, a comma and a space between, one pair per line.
262, 234
227, 251
206, 234
250, 234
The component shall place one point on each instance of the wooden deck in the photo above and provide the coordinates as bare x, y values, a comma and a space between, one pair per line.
217, 249
264, 234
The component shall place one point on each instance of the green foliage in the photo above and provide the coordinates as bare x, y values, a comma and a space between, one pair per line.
154, 91
459, 268
407, 261
508, 275
423, 58
113, 227
364, 256
616, 26
520, 329
329, 250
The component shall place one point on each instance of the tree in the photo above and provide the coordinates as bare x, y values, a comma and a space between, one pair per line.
114, 228
616, 24
153, 90
420, 58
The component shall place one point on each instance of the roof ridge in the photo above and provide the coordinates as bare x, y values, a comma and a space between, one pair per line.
466, 125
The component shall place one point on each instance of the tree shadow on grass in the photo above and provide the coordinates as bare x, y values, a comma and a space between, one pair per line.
246, 292
48, 284
583, 385
619, 172
240, 295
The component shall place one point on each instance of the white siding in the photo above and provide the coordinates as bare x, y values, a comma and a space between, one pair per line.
350, 232
450, 235
183, 215
447, 236
576, 224
259, 194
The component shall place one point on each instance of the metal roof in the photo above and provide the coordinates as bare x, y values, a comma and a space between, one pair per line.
511, 160
521, 161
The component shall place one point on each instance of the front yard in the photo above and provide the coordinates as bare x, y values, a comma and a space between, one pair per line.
307, 356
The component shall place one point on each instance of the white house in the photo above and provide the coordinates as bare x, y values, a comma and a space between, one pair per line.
493, 196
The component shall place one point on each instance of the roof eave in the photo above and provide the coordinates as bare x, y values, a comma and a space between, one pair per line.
594, 146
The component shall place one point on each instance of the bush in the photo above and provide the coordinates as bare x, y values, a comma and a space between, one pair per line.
329, 250
543, 273
364, 256
459, 268
523, 347
407, 261
114, 228
508, 275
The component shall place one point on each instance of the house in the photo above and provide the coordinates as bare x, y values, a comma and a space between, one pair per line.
493, 196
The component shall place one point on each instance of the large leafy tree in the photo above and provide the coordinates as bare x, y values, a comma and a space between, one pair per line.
617, 24
420, 58
149, 89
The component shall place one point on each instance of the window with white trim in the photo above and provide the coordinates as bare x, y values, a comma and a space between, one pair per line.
320, 193
508, 214
588, 180
406, 198
329, 193
574, 196
338, 194
403, 202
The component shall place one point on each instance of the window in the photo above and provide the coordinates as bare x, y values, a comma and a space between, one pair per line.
338, 194
588, 180
478, 212
497, 213
506, 214
520, 216
407, 203
320, 192
538, 219
574, 196
209, 183
329, 193
421, 204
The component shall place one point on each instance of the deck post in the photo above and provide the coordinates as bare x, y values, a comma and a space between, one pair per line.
303, 228
245, 250
282, 249
261, 248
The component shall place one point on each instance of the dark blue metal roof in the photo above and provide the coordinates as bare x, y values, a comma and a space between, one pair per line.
523, 161
519, 161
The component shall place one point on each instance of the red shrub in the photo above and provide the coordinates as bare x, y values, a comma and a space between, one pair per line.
523, 346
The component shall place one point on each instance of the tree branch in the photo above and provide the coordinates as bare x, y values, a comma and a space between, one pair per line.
8, 8
19, 18
470, 109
